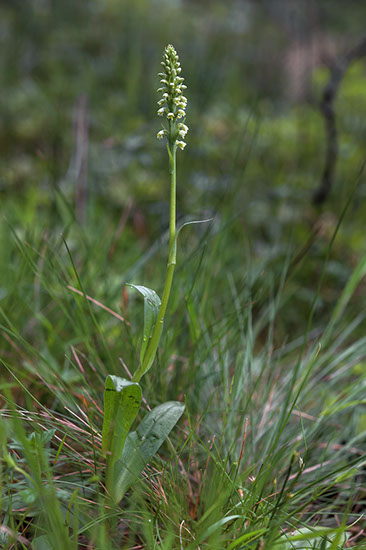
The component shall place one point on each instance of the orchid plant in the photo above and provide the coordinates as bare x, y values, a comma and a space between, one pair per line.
127, 453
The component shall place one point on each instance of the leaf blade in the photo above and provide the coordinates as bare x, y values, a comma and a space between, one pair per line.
144, 443
152, 304
122, 400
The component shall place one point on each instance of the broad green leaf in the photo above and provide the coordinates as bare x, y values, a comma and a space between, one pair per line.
318, 534
41, 543
122, 400
151, 308
144, 443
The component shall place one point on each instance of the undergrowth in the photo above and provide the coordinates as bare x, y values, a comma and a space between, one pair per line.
269, 453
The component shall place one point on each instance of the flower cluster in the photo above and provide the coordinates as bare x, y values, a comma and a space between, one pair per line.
173, 103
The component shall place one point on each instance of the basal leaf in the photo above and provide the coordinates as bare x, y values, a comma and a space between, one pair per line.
144, 443
151, 308
122, 400
304, 538
41, 543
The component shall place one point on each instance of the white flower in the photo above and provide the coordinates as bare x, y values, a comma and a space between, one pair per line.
160, 134
181, 144
170, 116
183, 129
180, 113
161, 111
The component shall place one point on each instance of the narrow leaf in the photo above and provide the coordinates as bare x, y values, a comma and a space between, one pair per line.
144, 443
210, 530
253, 535
151, 308
122, 400
193, 222
342, 406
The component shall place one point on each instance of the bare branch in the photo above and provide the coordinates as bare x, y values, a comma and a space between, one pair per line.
327, 107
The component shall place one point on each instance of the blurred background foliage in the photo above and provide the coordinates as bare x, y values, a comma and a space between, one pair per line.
78, 99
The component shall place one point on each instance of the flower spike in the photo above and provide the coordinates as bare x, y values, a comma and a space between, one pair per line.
173, 104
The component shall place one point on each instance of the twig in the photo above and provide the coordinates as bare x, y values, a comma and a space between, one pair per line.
338, 71
96, 302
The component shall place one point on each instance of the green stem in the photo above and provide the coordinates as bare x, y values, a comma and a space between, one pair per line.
172, 260
173, 200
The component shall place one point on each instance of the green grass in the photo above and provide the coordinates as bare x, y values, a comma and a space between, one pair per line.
271, 442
